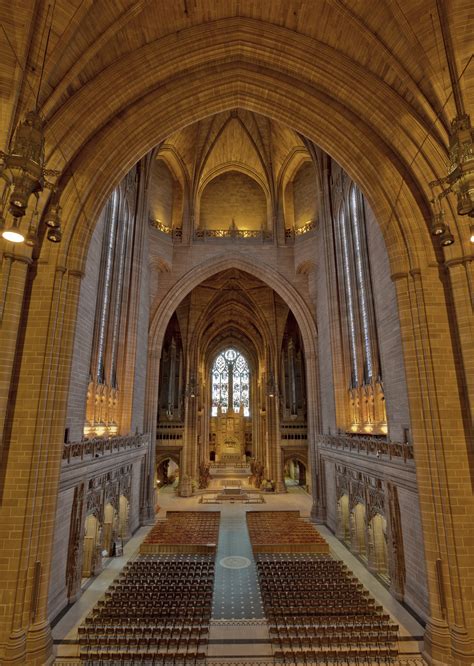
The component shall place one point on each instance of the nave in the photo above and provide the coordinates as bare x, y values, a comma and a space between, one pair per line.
257, 613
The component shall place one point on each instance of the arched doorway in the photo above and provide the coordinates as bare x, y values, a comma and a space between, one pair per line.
295, 473
91, 549
378, 539
344, 531
109, 528
358, 529
167, 474
124, 507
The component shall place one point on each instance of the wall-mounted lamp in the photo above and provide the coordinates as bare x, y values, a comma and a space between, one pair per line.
24, 174
13, 232
460, 177
438, 227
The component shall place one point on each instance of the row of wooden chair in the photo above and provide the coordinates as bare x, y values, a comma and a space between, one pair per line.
99, 658
319, 613
277, 527
339, 657
185, 528
156, 612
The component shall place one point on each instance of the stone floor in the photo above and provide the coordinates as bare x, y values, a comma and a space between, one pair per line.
239, 632
236, 591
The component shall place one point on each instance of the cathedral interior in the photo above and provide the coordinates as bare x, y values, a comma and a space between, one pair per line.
237, 341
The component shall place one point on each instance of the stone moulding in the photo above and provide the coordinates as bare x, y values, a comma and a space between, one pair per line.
233, 234
370, 447
91, 448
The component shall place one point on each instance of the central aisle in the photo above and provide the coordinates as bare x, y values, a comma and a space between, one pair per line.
238, 630
236, 590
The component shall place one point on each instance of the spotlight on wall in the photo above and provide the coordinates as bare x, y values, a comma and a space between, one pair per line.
447, 239
471, 233
438, 227
53, 216
13, 233
54, 235
438, 223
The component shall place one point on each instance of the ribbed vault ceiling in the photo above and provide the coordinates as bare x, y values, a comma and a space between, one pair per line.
234, 140
400, 42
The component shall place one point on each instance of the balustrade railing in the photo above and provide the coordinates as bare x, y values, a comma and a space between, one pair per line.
101, 446
296, 232
233, 234
223, 465
164, 228
175, 232
368, 446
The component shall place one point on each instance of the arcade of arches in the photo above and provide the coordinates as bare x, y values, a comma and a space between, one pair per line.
246, 288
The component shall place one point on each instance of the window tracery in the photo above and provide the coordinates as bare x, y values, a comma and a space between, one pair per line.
367, 411
102, 396
230, 383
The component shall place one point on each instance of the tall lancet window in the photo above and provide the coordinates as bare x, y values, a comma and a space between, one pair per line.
350, 294
230, 383
105, 295
357, 292
363, 286
113, 291
366, 412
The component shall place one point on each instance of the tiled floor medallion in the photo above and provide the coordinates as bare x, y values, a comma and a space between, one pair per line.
235, 562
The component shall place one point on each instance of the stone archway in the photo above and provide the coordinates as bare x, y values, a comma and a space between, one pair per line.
283, 287
231, 72
343, 518
109, 528
163, 469
358, 529
377, 529
91, 547
296, 464
123, 525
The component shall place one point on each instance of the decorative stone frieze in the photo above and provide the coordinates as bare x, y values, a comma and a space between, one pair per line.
93, 448
368, 516
370, 446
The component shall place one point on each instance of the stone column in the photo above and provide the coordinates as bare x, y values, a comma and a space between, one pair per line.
461, 276
189, 436
12, 285
147, 509
275, 467
443, 464
31, 468
315, 463
205, 422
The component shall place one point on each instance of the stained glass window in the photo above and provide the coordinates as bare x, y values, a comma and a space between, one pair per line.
361, 280
349, 292
356, 287
230, 382
107, 285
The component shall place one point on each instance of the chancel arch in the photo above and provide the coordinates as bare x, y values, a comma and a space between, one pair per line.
240, 315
